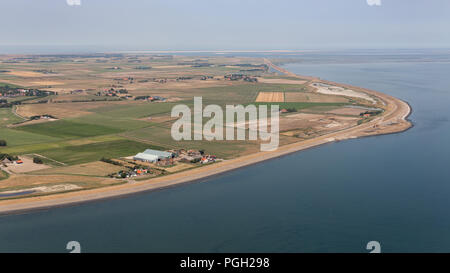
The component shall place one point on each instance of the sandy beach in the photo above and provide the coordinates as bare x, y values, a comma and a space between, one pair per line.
393, 120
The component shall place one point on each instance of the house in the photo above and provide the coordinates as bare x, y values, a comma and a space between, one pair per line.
208, 159
153, 156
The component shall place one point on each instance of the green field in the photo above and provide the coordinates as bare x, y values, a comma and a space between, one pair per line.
68, 129
7, 117
30, 148
2, 84
160, 135
240, 93
134, 111
18, 137
78, 154
119, 123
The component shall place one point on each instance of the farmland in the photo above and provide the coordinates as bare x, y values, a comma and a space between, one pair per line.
95, 151
95, 169
18, 138
63, 129
117, 105
270, 97
7, 117
301, 105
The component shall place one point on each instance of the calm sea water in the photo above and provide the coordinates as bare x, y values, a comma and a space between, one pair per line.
394, 189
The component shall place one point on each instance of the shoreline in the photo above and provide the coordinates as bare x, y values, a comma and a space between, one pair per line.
394, 120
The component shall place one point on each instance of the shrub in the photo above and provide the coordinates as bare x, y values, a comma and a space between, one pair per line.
37, 160
107, 160
195, 160
10, 157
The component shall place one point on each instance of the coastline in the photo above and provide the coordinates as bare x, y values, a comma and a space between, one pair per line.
394, 120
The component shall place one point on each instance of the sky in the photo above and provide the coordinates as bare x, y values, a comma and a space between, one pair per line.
225, 24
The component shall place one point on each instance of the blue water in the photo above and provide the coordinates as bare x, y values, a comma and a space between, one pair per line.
394, 189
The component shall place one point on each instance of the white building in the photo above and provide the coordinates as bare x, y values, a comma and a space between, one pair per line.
152, 156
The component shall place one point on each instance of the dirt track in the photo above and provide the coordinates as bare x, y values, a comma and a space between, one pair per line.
393, 120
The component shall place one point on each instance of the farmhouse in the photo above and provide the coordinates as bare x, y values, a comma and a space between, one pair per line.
153, 156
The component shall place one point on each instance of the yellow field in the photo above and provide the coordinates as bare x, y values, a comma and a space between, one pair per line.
270, 97
94, 168
59, 110
280, 81
47, 83
35, 180
25, 74
347, 111
179, 167
312, 97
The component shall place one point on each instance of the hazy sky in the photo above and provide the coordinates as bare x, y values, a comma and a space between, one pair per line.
227, 24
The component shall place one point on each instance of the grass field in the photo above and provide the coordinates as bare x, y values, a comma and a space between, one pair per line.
9, 84
161, 136
117, 123
24, 99
18, 138
68, 129
7, 117
137, 110
78, 154
31, 148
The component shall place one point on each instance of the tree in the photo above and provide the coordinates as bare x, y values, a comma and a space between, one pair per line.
37, 160
3, 143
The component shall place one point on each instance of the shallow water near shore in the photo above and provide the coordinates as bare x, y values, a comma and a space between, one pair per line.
394, 189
